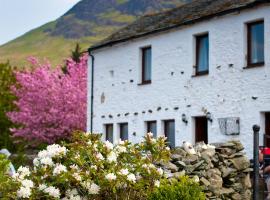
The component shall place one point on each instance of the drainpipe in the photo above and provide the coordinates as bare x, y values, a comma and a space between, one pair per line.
92, 92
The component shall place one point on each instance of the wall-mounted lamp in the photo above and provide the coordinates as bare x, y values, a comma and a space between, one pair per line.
184, 118
209, 117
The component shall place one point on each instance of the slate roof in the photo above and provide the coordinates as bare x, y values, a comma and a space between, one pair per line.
193, 12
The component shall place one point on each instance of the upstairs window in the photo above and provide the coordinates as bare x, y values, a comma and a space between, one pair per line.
152, 127
146, 65
255, 46
202, 54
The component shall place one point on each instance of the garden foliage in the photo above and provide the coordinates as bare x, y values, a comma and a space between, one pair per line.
7, 79
88, 168
51, 104
182, 189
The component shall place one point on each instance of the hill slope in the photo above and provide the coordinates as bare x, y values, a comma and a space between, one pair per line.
87, 22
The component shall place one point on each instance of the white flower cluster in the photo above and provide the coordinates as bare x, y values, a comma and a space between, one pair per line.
25, 190
91, 187
52, 151
73, 195
110, 176
59, 168
51, 190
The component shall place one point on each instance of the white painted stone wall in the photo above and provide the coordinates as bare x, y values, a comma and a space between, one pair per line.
226, 92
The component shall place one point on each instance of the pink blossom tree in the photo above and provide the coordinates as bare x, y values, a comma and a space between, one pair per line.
51, 104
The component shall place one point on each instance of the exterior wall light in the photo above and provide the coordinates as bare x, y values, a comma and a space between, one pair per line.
184, 118
209, 117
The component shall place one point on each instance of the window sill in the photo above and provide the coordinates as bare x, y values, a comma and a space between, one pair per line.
261, 64
200, 74
145, 83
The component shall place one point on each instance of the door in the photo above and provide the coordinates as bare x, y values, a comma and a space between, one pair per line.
124, 131
169, 130
109, 132
267, 128
201, 129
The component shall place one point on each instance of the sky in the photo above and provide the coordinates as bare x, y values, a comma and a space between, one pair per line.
20, 16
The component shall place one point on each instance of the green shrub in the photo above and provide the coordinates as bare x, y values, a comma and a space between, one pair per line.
7, 185
182, 189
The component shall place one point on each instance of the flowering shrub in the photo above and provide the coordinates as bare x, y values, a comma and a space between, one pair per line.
51, 104
183, 189
88, 168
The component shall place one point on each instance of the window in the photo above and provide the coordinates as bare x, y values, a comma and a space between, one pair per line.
152, 127
255, 44
202, 54
109, 132
146, 65
123, 131
169, 130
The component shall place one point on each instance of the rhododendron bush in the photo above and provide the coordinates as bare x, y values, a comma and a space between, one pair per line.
91, 169
51, 104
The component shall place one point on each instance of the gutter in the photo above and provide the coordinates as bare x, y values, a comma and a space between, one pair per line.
92, 91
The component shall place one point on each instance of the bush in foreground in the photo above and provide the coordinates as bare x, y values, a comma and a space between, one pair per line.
91, 169
182, 189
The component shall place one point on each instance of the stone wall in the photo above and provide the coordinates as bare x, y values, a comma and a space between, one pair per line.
223, 169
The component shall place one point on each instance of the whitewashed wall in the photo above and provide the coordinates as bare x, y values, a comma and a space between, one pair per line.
226, 92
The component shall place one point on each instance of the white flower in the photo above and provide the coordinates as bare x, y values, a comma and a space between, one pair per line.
110, 176
150, 134
157, 183
89, 142
99, 156
112, 157
124, 172
95, 147
42, 187
36, 162
74, 167
94, 167
59, 168
52, 191
121, 149
153, 140
24, 192
87, 134
108, 145
77, 176
131, 178
93, 189
151, 166
42, 154
27, 183
168, 148
24, 171
160, 171
121, 142
56, 150
46, 161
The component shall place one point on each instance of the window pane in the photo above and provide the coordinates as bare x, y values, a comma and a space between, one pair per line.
124, 131
109, 132
257, 43
152, 127
203, 53
170, 133
147, 64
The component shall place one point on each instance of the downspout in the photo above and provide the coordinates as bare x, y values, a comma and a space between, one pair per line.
92, 92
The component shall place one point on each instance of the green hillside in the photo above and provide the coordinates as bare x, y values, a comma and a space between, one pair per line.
87, 22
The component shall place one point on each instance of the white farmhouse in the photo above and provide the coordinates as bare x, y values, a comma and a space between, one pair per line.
200, 72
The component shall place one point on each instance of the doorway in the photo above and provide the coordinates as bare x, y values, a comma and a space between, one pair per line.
267, 128
201, 129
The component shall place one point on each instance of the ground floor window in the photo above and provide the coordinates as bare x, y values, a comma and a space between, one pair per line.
169, 131
123, 131
109, 132
152, 127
